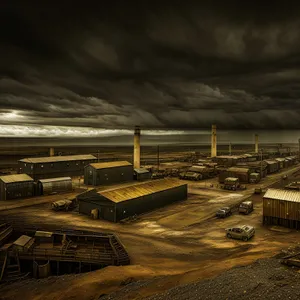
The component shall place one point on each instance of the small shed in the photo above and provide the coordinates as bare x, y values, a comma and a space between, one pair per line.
54, 185
106, 173
282, 207
273, 166
117, 204
16, 186
142, 174
23, 243
44, 237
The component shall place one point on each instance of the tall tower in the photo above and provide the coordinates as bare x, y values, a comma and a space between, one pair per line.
299, 149
51, 151
256, 143
214, 140
136, 148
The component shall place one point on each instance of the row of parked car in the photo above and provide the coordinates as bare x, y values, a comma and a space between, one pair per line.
243, 232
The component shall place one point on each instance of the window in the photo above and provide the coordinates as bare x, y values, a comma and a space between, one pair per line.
51, 165
42, 166
68, 165
122, 174
24, 165
31, 167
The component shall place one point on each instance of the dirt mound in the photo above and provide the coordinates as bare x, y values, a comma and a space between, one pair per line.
264, 279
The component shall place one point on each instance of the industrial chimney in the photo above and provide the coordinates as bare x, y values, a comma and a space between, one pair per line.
137, 148
256, 143
214, 141
51, 151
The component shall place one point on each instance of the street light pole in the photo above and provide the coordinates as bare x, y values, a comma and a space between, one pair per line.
261, 159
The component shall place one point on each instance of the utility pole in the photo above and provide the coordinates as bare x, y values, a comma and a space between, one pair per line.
158, 157
261, 160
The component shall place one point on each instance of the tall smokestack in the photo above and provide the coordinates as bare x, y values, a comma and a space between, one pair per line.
137, 148
51, 151
214, 140
229, 148
256, 143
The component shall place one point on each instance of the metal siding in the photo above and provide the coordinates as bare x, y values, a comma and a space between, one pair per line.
281, 209
150, 202
54, 159
114, 175
106, 211
19, 190
110, 164
58, 186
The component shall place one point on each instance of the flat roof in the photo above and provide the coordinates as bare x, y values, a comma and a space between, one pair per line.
110, 164
141, 170
139, 190
22, 240
55, 179
15, 178
284, 195
49, 159
240, 170
43, 234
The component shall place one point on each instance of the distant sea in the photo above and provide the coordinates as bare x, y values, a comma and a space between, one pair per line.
179, 138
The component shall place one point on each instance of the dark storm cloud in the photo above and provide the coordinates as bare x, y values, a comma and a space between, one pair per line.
183, 65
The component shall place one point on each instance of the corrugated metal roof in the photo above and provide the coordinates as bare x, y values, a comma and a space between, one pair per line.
280, 159
15, 178
141, 171
110, 164
139, 190
270, 162
49, 159
55, 179
238, 170
285, 195
22, 240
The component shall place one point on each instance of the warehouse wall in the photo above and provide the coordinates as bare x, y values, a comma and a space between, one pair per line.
17, 190
54, 169
106, 210
281, 209
114, 175
150, 202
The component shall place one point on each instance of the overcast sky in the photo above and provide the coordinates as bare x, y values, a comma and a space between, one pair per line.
116, 64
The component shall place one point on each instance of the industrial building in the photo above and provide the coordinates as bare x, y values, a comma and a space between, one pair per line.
273, 166
54, 185
281, 207
243, 174
16, 186
117, 204
141, 174
55, 166
233, 160
106, 173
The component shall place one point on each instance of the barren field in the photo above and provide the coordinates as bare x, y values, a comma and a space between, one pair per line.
184, 241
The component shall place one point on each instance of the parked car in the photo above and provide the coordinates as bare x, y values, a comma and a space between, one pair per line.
244, 232
63, 205
223, 212
258, 190
246, 207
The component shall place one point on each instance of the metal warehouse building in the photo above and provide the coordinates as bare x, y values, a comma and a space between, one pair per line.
54, 185
281, 207
16, 186
108, 173
55, 166
117, 204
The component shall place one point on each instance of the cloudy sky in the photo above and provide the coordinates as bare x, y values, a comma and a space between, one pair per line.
116, 64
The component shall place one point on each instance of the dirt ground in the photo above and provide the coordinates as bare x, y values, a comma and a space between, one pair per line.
183, 241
